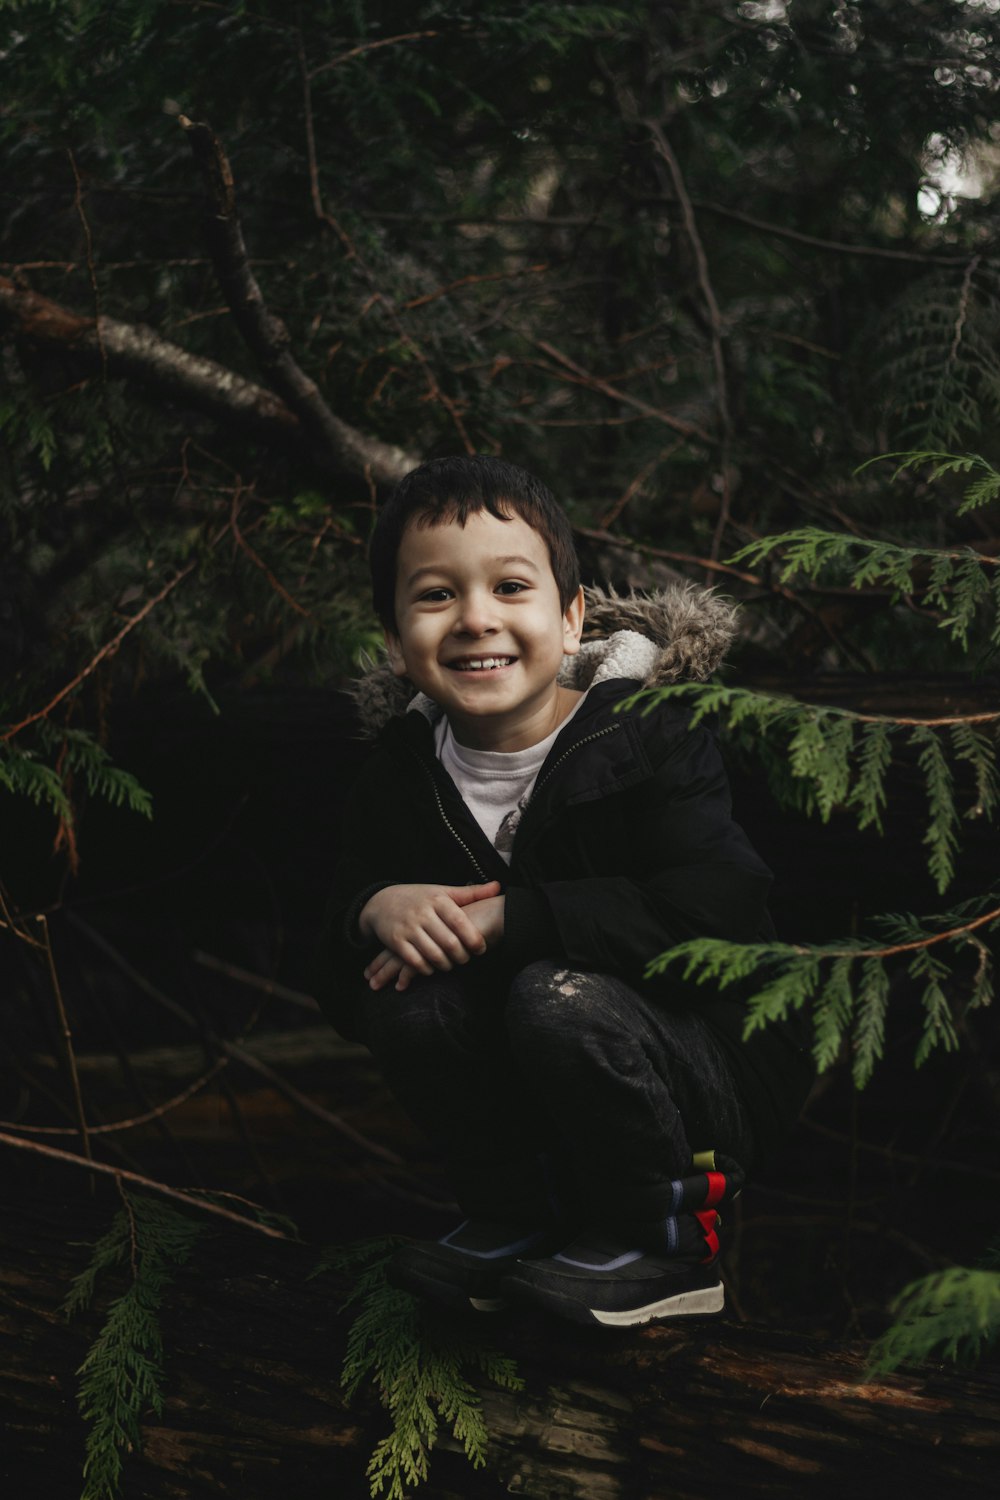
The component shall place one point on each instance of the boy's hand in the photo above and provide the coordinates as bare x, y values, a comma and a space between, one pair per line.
425, 926
486, 914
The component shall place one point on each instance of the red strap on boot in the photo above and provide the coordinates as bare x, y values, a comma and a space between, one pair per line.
708, 1219
716, 1189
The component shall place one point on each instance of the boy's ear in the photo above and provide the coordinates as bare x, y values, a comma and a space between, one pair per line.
394, 653
573, 623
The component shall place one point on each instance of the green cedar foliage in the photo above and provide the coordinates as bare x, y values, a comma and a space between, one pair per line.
77, 755
122, 1375
830, 758
821, 758
419, 1364
846, 984
937, 354
953, 1314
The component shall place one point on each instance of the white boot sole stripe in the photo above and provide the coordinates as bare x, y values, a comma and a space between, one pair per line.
709, 1299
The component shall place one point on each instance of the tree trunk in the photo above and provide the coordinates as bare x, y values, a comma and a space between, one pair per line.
253, 1408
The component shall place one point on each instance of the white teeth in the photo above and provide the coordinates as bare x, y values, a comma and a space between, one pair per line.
484, 664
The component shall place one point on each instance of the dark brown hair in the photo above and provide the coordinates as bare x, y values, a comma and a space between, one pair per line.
453, 489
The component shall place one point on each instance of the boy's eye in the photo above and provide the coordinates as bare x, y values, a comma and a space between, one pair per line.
433, 596
510, 586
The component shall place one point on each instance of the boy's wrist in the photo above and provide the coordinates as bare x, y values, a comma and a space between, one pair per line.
357, 929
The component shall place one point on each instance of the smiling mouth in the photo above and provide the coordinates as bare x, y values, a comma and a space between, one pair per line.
481, 663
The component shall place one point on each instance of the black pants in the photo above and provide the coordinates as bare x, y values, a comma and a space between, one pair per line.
569, 1093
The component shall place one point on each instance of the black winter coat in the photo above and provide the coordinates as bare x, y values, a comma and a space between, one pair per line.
626, 848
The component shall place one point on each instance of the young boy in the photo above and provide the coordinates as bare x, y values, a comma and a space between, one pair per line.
515, 853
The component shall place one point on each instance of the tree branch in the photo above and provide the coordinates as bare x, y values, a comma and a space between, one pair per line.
666, 151
131, 351
266, 335
149, 1183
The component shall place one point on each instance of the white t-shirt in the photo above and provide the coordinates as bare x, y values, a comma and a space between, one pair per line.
495, 784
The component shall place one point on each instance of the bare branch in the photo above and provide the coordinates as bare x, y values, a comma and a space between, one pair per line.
108, 649
388, 41
150, 1183
132, 351
131, 1124
666, 151
235, 1051
580, 376
66, 1036
255, 981
266, 335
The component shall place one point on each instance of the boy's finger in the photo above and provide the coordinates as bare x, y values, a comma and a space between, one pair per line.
465, 895
430, 953
378, 962
466, 933
453, 933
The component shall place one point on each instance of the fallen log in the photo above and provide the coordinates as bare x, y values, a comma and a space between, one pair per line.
254, 1406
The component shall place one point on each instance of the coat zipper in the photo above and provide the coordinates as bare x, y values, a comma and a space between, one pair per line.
597, 734
447, 821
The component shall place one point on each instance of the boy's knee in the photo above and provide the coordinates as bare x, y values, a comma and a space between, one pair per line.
547, 998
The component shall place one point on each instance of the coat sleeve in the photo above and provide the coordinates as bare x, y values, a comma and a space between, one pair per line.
697, 874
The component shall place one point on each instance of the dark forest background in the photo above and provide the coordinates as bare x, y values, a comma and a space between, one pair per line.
696, 265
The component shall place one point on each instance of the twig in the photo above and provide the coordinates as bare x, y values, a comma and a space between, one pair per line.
133, 1235
88, 238
407, 1195
259, 562
963, 312
67, 1040
136, 1120
150, 1183
232, 1049
323, 215
264, 333
637, 483
665, 149
453, 286
10, 922
965, 1169
910, 947
571, 221
389, 41
682, 557
106, 650
255, 981
129, 1073
596, 383
838, 247
713, 566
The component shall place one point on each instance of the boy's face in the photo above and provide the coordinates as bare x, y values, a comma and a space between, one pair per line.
481, 630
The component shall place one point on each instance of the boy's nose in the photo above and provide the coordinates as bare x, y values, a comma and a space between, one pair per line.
477, 616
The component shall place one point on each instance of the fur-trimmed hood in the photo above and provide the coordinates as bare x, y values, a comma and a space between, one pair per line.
677, 633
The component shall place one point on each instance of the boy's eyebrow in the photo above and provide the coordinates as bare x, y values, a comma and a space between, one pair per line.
503, 562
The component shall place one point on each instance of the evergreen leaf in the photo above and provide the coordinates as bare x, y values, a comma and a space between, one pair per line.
417, 1364
122, 1372
941, 838
832, 1013
872, 1003
954, 1313
978, 749
868, 795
